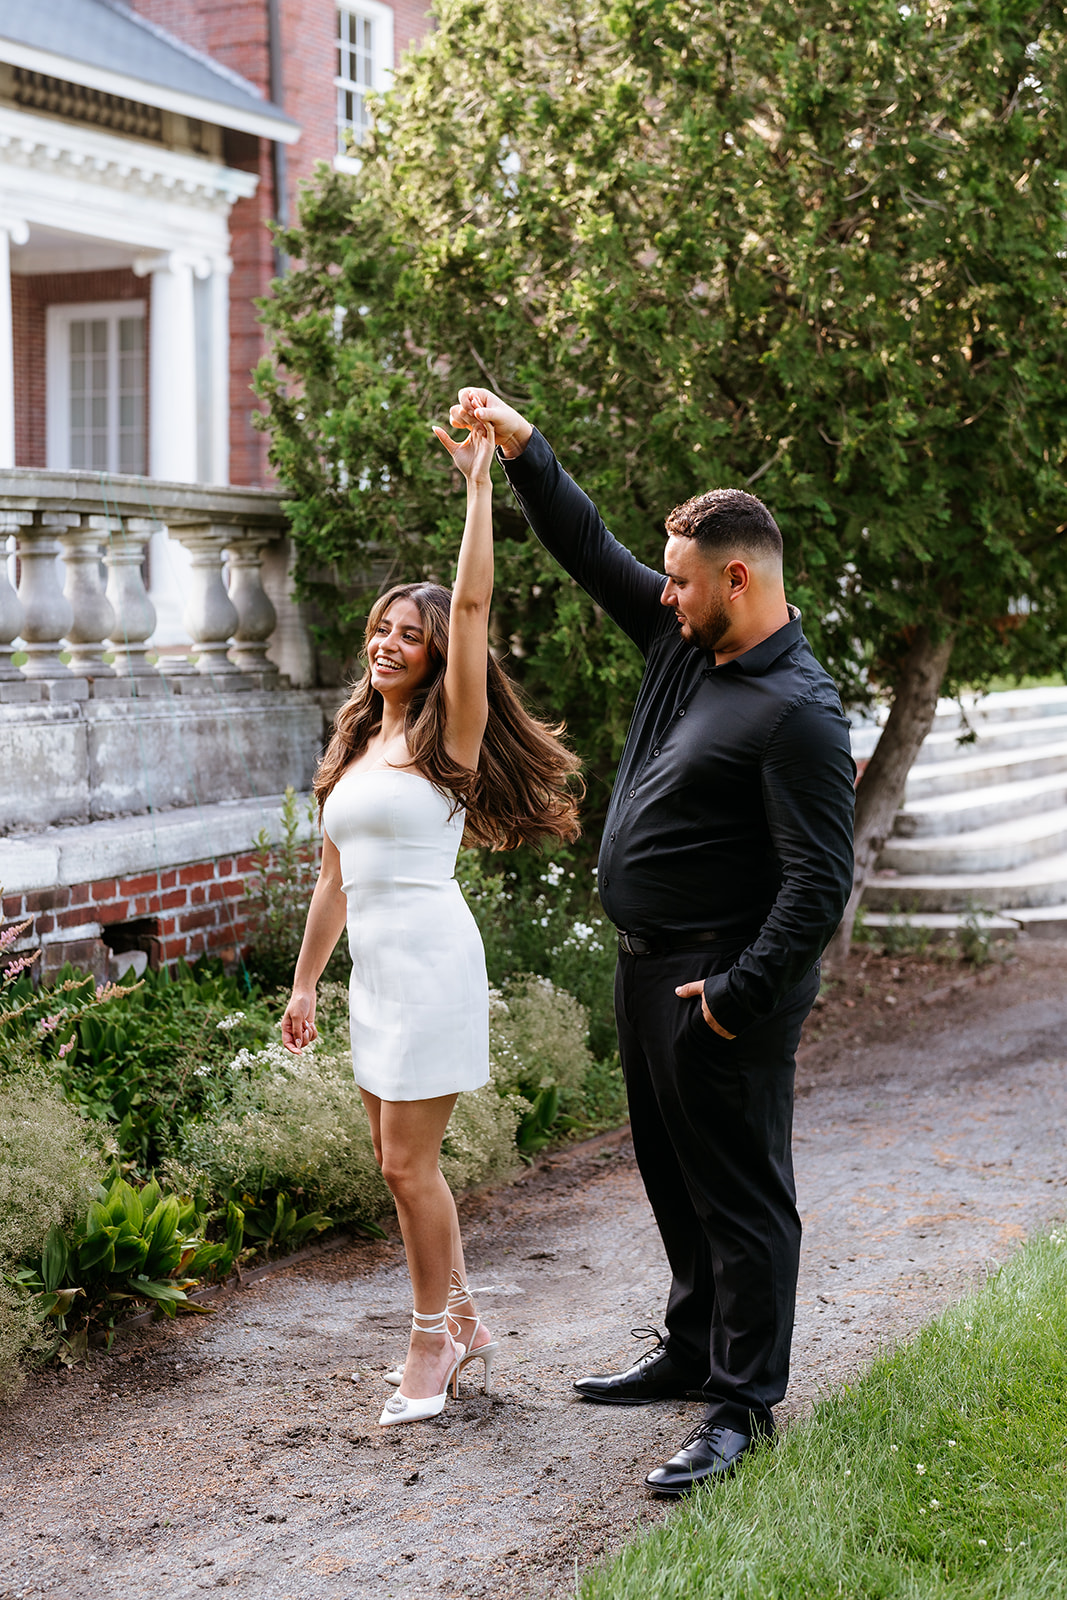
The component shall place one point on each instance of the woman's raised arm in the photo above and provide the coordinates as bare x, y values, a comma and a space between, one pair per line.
466, 705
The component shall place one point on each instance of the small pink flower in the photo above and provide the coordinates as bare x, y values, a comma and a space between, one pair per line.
65, 1049
50, 1024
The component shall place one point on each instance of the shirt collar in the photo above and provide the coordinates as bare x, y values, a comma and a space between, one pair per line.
766, 653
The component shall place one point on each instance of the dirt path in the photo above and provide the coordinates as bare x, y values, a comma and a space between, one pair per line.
235, 1452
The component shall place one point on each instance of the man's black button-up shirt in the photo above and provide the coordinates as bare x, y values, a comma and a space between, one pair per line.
732, 807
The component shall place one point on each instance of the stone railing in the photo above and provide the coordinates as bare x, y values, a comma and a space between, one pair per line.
84, 627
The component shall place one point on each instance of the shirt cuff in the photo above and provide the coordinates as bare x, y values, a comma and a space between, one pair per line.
528, 466
722, 1005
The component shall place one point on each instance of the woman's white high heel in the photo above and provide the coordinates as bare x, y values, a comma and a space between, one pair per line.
457, 1294
406, 1408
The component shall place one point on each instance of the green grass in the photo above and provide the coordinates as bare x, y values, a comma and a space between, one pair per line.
940, 1475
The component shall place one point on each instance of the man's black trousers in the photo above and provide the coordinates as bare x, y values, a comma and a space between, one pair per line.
712, 1123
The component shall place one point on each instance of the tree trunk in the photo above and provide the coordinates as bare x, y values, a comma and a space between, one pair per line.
881, 788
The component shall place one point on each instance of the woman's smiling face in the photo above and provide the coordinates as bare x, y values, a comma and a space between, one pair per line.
397, 654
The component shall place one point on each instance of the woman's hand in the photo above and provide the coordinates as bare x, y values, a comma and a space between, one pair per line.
298, 1023
474, 454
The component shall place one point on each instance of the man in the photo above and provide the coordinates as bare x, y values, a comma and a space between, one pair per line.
725, 866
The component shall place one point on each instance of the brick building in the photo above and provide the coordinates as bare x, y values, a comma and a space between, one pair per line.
144, 148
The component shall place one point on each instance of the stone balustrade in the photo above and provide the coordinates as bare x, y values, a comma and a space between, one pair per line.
78, 625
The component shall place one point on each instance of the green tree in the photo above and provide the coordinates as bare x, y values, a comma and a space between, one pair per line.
815, 248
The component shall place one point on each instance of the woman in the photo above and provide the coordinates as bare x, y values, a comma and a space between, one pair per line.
432, 741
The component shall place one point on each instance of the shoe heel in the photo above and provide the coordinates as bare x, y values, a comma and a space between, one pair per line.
487, 1353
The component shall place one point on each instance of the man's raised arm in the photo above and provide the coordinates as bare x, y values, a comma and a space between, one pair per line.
566, 521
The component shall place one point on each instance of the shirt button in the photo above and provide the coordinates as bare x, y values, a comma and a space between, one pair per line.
655, 752
632, 793
682, 712
612, 840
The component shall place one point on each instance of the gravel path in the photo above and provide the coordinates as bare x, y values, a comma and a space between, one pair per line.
236, 1452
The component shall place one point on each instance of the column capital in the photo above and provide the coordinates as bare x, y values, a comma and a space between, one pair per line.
16, 228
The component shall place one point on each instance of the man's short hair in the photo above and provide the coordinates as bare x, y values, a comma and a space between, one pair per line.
727, 522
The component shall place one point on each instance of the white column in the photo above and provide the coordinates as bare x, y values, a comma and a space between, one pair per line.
11, 232
217, 468
171, 366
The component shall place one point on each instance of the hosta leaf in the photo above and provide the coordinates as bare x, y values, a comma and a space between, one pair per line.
54, 1258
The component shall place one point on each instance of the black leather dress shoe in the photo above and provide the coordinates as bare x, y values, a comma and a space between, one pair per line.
711, 1451
652, 1377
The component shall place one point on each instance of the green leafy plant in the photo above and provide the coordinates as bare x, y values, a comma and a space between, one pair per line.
283, 1227
144, 1060
132, 1245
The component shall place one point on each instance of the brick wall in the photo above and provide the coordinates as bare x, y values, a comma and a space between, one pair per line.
183, 912
236, 35
30, 298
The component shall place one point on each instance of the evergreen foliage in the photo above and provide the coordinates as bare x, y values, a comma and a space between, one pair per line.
813, 247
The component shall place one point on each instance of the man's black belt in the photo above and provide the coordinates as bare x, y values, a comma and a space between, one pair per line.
632, 944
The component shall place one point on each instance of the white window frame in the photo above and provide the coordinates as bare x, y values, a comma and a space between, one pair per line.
57, 375
381, 19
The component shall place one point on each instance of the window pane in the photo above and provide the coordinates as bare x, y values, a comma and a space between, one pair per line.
107, 393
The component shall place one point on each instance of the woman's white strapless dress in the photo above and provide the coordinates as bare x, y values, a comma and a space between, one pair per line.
418, 996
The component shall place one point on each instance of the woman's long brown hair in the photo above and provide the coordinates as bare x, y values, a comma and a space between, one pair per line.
526, 787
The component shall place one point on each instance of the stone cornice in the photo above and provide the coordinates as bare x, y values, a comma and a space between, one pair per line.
72, 151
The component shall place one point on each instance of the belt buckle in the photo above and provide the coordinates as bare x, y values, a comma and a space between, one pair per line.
632, 944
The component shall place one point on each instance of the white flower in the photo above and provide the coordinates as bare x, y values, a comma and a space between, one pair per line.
920, 1469
935, 1505
203, 1070
952, 1444
229, 1022
894, 1448
982, 1541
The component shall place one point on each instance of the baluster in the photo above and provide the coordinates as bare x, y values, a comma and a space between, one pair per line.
256, 617
135, 615
47, 614
94, 619
13, 685
210, 616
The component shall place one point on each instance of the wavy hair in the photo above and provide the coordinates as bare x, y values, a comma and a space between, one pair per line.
526, 788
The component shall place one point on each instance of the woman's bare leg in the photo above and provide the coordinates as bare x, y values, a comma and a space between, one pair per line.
407, 1139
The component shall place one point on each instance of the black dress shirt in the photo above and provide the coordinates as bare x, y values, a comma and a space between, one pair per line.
732, 807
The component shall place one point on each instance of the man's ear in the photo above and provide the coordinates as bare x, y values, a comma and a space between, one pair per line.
738, 576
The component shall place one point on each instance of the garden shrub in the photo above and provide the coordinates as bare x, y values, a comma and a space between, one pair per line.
20, 1332
537, 1038
282, 1122
296, 1124
544, 917
481, 1137
140, 1061
50, 1163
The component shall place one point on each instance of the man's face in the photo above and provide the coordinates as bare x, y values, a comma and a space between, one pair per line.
696, 590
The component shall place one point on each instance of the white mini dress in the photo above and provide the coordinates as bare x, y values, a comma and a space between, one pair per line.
418, 996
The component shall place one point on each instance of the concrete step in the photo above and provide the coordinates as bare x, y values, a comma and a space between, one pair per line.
1037, 922
1015, 889
980, 769
1012, 843
944, 744
980, 808
1008, 705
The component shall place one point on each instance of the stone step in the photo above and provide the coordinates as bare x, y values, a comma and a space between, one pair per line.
969, 809
944, 745
1037, 884
981, 769
1012, 843
1007, 705
1038, 922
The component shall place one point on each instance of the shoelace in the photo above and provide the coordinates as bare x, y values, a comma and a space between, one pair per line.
648, 1355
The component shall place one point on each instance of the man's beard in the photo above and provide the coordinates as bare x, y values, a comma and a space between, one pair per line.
709, 629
